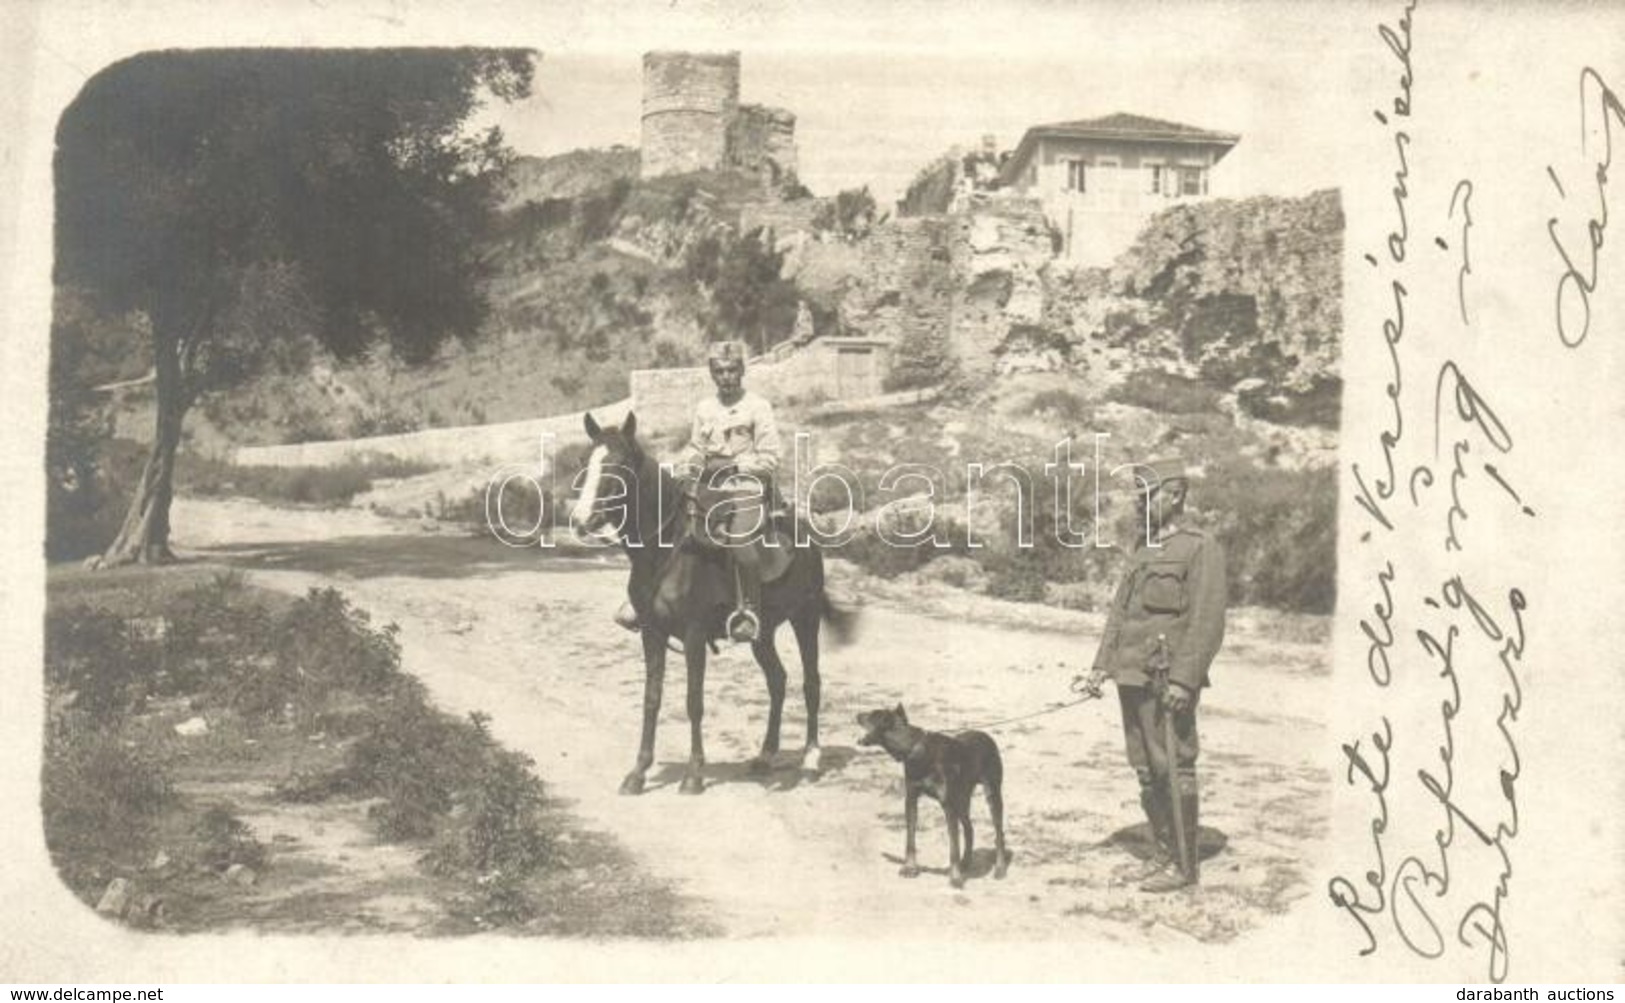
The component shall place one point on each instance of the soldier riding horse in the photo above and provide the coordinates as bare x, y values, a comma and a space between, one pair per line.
684, 588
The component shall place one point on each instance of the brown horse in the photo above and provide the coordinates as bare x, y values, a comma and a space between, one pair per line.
684, 591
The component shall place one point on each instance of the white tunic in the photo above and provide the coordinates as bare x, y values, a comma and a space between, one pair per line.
743, 431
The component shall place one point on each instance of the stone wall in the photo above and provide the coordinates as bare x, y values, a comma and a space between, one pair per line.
689, 104
665, 398
762, 143
507, 442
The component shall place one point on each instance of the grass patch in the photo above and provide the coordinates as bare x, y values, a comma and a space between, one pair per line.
268, 676
325, 486
1066, 408
83, 522
1278, 526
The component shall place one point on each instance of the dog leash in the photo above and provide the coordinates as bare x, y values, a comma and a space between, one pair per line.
1087, 695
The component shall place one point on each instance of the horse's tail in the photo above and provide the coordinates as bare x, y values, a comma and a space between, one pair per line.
841, 619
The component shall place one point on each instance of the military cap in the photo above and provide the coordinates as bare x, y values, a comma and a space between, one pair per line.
726, 351
1161, 471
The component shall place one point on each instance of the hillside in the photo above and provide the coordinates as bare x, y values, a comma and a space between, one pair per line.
595, 273
1215, 337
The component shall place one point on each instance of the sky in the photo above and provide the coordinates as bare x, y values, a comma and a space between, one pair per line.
881, 91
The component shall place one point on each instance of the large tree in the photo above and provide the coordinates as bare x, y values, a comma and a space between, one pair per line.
247, 201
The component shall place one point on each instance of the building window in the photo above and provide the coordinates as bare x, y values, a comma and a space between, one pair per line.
1076, 178
1158, 179
1193, 181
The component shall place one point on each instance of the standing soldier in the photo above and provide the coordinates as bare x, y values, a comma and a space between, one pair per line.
1165, 627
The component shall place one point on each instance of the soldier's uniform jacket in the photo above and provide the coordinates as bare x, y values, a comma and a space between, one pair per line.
743, 432
1178, 589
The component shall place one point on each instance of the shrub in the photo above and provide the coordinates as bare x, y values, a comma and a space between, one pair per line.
792, 190
1279, 530
1067, 407
932, 189
333, 645
236, 653
1168, 393
1321, 405
851, 214
106, 666
100, 796
221, 840
493, 834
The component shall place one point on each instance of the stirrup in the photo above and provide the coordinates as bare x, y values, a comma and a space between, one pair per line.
743, 625
627, 617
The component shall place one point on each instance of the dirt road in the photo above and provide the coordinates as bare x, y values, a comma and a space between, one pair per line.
526, 637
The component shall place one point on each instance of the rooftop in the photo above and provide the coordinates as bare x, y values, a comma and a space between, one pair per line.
1119, 125
1125, 126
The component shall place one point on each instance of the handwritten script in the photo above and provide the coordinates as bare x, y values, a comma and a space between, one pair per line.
1600, 109
1437, 764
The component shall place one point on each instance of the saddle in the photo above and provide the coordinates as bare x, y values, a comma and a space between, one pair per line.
711, 497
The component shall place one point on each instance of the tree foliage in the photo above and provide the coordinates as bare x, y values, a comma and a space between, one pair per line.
187, 179
851, 215
749, 298
252, 203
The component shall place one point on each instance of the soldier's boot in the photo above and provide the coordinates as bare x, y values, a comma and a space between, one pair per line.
1162, 834
745, 625
1182, 875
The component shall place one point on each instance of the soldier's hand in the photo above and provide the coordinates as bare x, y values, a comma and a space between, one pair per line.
1177, 698
1091, 685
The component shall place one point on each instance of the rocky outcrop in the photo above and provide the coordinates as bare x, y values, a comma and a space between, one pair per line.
1245, 295
948, 290
1001, 249
567, 175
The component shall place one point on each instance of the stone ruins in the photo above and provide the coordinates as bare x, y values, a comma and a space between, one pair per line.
693, 121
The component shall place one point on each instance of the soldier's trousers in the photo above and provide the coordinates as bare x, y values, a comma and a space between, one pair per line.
1145, 737
739, 529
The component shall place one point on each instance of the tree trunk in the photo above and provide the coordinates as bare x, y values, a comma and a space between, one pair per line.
144, 536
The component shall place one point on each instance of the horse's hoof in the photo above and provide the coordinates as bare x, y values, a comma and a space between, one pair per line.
692, 784
633, 784
909, 870
812, 760
957, 880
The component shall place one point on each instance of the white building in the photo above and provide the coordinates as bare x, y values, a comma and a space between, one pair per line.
1100, 179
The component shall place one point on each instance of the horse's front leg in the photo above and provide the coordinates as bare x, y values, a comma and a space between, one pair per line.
654, 681
694, 649
806, 625
767, 656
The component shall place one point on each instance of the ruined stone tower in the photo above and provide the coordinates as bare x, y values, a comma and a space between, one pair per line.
693, 121
689, 103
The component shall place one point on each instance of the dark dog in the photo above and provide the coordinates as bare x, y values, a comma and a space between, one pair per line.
948, 768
